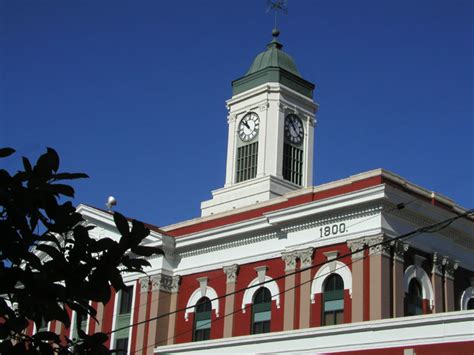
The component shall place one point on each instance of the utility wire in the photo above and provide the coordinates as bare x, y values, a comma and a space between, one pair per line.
399, 206
435, 227
427, 229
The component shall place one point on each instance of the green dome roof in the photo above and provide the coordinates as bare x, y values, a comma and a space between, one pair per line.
274, 57
273, 66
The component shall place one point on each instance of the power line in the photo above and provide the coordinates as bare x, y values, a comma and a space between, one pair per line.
426, 229
397, 207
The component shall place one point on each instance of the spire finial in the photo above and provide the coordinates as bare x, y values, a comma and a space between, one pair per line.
275, 33
277, 5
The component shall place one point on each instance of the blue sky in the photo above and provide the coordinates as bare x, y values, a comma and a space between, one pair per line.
133, 92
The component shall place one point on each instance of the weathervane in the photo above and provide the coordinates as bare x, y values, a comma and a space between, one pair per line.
277, 5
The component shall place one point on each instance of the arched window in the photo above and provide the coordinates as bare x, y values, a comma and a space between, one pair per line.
202, 320
414, 298
333, 300
261, 311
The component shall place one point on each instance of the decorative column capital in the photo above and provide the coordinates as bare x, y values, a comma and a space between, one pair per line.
144, 284
450, 267
164, 283
289, 257
357, 248
399, 250
231, 273
174, 287
377, 246
155, 282
438, 263
306, 257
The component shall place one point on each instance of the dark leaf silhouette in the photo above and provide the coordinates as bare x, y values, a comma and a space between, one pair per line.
5, 152
54, 265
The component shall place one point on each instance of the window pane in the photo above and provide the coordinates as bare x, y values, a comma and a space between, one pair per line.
339, 317
121, 345
329, 318
125, 305
333, 305
414, 298
203, 324
262, 316
43, 326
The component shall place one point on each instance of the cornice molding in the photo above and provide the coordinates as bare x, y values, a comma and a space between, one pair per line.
242, 240
463, 239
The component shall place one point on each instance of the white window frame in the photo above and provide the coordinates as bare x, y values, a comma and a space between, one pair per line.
252, 288
466, 296
417, 272
197, 295
333, 267
132, 283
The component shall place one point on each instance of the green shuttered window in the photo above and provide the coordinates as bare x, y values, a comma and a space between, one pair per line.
202, 320
414, 299
261, 311
333, 300
123, 319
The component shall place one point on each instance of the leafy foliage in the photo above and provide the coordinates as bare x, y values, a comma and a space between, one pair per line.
49, 262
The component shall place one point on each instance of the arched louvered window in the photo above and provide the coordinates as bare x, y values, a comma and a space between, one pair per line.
333, 300
261, 311
202, 320
414, 298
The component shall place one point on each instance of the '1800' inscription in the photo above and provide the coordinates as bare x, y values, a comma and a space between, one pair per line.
333, 229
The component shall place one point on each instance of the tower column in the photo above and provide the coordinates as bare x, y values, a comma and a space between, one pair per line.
144, 284
231, 273
306, 259
162, 288
379, 278
398, 294
449, 270
357, 247
437, 281
230, 168
173, 306
289, 305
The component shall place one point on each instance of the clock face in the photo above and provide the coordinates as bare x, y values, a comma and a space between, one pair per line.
294, 131
248, 126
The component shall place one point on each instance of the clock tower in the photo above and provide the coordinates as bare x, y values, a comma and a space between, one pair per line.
271, 133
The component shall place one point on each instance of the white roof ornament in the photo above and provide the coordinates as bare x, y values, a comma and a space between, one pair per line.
111, 201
